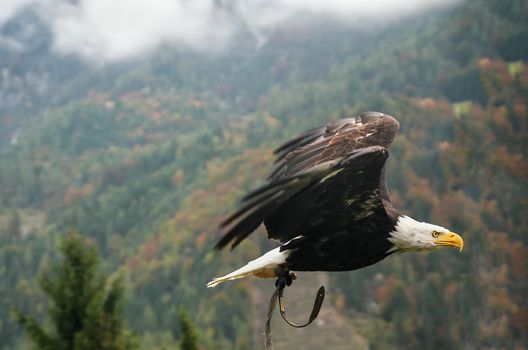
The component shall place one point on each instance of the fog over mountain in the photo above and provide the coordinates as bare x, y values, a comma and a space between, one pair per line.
103, 31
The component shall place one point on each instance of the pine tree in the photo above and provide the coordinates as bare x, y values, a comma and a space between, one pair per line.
189, 339
86, 307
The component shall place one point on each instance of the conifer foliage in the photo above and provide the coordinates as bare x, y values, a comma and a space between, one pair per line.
86, 307
189, 340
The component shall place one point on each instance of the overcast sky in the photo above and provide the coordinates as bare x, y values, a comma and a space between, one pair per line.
110, 30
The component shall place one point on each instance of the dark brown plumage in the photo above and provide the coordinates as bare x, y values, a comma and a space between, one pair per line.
327, 199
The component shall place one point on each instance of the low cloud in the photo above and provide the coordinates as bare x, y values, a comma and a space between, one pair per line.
108, 30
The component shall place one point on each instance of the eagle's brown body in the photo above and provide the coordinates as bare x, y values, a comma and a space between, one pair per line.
327, 200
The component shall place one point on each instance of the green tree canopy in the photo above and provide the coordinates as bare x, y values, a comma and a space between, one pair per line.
86, 307
189, 340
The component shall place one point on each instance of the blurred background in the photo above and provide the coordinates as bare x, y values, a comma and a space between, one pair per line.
139, 124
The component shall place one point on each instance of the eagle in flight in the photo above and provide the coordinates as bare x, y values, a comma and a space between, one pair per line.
327, 204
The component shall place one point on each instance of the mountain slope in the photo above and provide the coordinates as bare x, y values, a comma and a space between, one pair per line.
146, 158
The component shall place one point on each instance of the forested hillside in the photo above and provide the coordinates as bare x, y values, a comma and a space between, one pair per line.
144, 158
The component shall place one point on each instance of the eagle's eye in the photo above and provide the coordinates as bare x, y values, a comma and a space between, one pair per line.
436, 234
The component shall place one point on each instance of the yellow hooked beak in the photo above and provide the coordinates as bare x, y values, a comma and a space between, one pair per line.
450, 239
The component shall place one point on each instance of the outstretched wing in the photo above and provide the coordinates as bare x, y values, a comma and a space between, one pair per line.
333, 141
326, 197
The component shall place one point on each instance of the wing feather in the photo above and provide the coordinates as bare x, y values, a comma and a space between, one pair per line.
324, 177
312, 194
335, 140
341, 197
246, 220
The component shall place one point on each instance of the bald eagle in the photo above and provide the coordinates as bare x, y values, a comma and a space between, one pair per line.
327, 204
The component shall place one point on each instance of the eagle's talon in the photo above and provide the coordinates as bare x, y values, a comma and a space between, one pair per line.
290, 278
285, 278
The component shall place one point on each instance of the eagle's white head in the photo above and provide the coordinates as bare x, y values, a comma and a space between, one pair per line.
410, 235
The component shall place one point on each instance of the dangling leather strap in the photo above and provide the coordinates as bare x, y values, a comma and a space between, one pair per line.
271, 308
278, 295
318, 302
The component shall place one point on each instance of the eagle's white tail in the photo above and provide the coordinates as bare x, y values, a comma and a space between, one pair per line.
262, 267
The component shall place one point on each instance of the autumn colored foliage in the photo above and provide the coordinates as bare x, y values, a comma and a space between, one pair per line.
146, 159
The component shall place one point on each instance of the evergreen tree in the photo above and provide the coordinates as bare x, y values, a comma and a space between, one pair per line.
86, 307
189, 339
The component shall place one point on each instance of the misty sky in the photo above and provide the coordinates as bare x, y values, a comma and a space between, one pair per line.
108, 30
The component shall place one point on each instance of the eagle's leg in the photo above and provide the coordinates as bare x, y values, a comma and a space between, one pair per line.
284, 277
